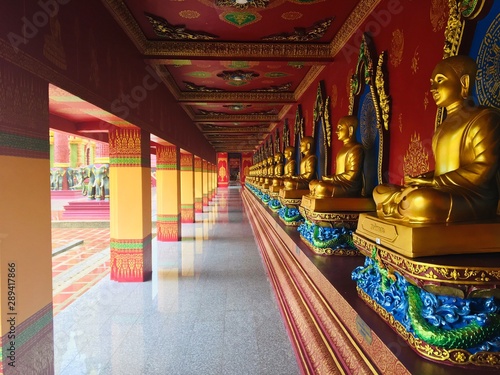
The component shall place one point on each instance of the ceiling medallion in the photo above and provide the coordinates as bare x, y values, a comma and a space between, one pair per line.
176, 32
237, 77
242, 4
237, 107
302, 34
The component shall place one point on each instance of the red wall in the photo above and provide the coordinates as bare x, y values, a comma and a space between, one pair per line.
412, 34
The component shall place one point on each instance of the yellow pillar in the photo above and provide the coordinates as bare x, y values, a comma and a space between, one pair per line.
205, 183
187, 187
198, 185
130, 204
26, 322
214, 179
209, 181
168, 193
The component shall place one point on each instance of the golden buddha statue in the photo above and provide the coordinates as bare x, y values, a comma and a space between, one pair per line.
279, 166
466, 148
348, 180
283, 170
307, 169
263, 173
270, 172
289, 169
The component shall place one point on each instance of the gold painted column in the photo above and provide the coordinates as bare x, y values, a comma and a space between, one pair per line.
198, 185
205, 183
26, 318
130, 204
187, 187
168, 193
209, 181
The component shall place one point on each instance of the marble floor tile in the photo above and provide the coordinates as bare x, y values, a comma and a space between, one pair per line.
209, 309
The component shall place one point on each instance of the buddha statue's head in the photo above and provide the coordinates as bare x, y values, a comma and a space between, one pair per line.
289, 153
307, 145
278, 158
270, 160
452, 80
346, 128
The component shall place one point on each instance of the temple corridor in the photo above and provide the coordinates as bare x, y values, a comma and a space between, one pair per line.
209, 309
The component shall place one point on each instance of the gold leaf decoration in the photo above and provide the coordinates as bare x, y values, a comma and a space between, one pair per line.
397, 45
416, 159
438, 14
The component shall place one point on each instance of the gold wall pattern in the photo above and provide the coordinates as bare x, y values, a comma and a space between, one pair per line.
438, 14
426, 99
166, 156
23, 111
186, 162
416, 159
189, 14
53, 49
290, 16
334, 95
125, 143
397, 46
414, 61
400, 120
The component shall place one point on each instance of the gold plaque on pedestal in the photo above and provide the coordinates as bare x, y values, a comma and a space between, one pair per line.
337, 204
293, 194
419, 240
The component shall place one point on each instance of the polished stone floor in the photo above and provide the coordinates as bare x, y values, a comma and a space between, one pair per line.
209, 309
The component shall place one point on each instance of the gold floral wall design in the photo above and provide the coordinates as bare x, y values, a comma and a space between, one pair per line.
416, 159
397, 46
438, 14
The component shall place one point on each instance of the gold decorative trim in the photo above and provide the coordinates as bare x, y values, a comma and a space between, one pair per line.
319, 114
126, 20
308, 34
329, 251
365, 75
298, 127
347, 220
352, 24
384, 99
286, 134
427, 272
165, 29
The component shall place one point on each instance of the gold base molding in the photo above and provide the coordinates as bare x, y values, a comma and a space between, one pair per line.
330, 251
420, 240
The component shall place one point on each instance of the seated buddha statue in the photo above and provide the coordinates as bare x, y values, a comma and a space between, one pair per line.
270, 172
279, 167
285, 170
289, 169
466, 148
263, 172
307, 168
348, 180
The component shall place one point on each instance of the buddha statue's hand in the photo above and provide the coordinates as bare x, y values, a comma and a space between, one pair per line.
327, 178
